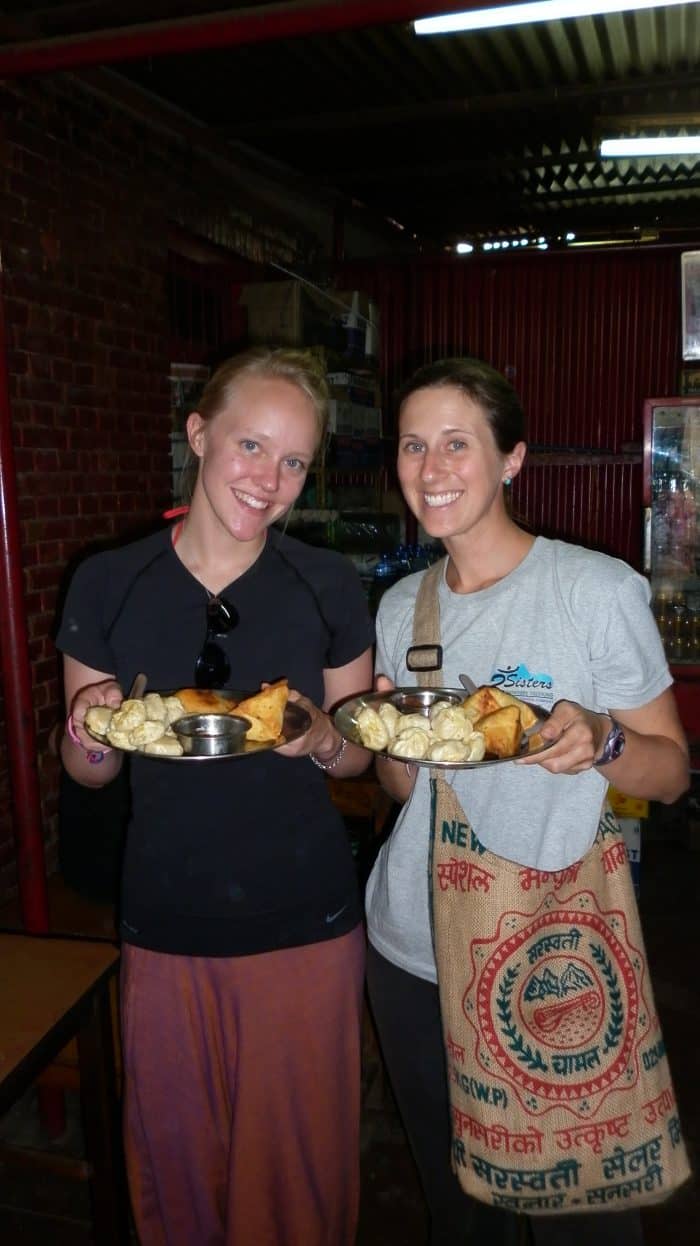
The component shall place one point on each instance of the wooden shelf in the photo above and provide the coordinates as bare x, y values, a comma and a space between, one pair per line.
580, 458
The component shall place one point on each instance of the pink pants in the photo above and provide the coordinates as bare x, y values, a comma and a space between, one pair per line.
242, 1095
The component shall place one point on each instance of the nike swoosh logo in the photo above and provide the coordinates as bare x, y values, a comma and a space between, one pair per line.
330, 917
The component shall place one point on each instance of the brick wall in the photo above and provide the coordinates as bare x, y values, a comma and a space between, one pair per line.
87, 192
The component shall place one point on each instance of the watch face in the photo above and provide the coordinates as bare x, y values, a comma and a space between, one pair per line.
615, 743
613, 746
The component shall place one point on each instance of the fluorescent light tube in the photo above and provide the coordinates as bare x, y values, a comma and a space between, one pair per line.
538, 11
660, 145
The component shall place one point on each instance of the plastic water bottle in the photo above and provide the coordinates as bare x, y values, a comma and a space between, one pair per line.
402, 560
385, 574
421, 558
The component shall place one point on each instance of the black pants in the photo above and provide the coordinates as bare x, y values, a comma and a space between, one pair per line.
406, 1011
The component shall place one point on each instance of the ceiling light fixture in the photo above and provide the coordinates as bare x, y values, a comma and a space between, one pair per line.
538, 11
660, 145
464, 248
505, 244
620, 240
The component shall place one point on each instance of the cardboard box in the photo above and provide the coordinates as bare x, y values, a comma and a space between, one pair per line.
632, 835
352, 419
289, 313
373, 422
341, 380
275, 312
359, 387
340, 417
369, 396
366, 422
178, 454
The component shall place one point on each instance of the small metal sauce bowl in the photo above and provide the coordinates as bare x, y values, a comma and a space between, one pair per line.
421, 700
210, 735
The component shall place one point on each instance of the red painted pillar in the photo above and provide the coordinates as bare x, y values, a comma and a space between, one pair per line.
16, 678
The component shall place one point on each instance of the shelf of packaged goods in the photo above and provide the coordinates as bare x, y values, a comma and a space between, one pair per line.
374, 478
627, 806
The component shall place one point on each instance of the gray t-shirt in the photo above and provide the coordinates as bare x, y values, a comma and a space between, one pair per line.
566, 624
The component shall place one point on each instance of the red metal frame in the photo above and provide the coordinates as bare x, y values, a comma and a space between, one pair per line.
192, 34
279, 21
16, 675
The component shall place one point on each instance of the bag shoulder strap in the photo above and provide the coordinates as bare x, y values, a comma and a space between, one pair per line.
426, 619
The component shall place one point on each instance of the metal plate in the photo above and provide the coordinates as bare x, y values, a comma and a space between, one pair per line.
296, 722
419, 701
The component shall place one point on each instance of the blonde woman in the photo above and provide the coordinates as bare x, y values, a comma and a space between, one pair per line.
243, 950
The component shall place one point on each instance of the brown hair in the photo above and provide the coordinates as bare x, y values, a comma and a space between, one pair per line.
302, 368
484, 385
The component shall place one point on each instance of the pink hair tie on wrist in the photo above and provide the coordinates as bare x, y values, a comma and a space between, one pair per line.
94, 756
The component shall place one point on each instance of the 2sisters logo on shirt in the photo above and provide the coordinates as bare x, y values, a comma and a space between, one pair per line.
519, 681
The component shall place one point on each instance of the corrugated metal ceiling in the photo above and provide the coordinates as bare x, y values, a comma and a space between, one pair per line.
479, 135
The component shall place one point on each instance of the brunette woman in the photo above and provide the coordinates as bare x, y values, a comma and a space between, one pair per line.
551, 623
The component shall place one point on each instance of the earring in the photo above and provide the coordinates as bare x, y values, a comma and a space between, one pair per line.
507, 480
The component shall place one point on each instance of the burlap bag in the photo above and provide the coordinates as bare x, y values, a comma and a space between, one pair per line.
560, 1089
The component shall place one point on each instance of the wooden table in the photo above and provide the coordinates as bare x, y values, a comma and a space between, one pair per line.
53, 990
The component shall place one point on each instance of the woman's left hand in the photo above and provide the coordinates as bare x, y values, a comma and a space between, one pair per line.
578, 736
321, 737
330, 750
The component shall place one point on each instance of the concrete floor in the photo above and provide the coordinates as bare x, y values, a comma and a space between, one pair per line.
38, 1209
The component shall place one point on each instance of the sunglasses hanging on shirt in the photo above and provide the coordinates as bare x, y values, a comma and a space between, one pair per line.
212, 668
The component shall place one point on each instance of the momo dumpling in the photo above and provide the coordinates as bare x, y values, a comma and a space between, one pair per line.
373, 733
389, 716
412, 744
476, 744
449, 750
471, 712
165, 746
450, 722
438, 707
154, 706
121, 739
412, 722
98, 719
129, 715
146, 733
174, 709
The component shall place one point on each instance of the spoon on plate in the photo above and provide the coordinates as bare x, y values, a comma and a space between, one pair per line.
137, 688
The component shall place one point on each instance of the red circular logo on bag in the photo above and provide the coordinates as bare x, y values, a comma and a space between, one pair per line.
557, 1002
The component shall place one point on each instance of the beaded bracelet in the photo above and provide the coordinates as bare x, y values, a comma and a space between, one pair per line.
331, 762
94, 756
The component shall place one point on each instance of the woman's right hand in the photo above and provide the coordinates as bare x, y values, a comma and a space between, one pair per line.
396, 777
383, 684
107, 692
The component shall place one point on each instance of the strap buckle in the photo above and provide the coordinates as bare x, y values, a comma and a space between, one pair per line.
424, 658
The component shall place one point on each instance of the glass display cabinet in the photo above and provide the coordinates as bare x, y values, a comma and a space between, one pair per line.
672, 523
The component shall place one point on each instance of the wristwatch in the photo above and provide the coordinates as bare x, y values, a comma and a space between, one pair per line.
614, 744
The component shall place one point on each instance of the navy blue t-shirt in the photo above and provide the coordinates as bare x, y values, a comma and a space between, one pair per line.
226, 857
